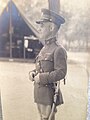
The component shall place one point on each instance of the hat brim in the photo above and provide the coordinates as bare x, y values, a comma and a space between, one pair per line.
60, 19
39, 21
43, 21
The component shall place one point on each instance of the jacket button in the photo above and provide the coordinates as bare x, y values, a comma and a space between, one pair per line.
41, 70
45, 58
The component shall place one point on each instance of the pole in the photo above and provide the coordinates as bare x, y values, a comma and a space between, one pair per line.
54, 5
10, 29
24, 53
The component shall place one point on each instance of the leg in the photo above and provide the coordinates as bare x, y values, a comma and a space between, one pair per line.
44, 111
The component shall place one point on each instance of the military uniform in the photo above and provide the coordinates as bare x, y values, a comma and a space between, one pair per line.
51, 63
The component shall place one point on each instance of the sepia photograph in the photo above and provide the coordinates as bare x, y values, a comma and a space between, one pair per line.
44, 60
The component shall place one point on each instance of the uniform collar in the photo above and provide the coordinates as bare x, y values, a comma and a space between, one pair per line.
51, 40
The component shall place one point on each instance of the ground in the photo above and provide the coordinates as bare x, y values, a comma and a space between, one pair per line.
17, 90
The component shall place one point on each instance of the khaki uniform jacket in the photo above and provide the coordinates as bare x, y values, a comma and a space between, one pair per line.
52, 65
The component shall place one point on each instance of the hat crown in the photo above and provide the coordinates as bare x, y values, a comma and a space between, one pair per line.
56, 18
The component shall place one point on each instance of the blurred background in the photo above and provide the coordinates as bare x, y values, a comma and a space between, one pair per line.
16, 36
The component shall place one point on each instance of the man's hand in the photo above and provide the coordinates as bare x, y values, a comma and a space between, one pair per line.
36, 78
32, 75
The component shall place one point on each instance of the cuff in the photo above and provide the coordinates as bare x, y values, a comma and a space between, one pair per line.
44, 78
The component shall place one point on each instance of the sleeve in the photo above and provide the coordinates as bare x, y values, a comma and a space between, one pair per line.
60, 68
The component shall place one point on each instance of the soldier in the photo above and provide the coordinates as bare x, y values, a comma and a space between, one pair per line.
51, 64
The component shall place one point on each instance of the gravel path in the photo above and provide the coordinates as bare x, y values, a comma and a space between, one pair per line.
17, 93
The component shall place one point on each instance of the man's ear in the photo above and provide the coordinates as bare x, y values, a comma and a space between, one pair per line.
55, 29
51, 27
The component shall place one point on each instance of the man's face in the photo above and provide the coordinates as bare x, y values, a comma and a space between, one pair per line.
48, 30
45, 30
